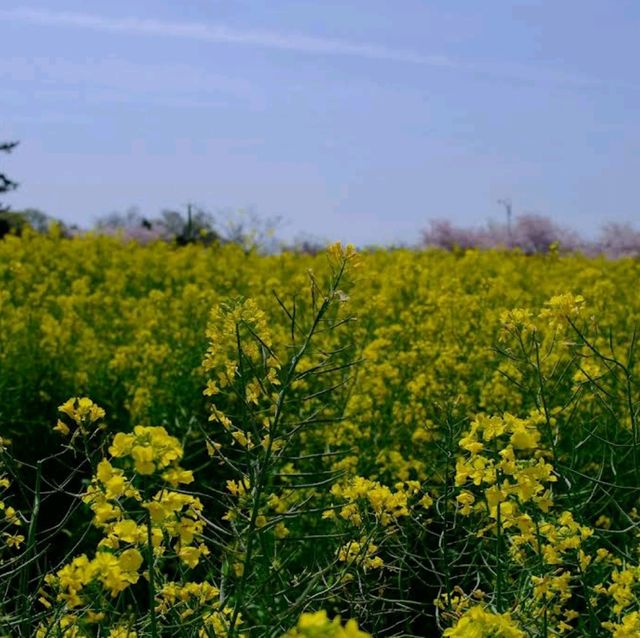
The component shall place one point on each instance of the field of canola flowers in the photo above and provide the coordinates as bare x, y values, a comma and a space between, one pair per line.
198, 441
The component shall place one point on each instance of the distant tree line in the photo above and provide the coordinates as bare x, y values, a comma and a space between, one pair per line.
183, 227
533, 234
530, 233
194, 224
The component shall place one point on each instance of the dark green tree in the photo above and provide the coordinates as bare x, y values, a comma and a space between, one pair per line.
6, 184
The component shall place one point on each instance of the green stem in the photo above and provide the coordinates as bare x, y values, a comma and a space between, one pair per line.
263, 469
543, 399
445, 544
499, 560
29, 553
545, 620
151, 580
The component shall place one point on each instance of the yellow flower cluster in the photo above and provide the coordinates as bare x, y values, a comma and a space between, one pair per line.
150, 448
114, 572
9, 518
374, 510
240, 339
317, 625
360, 554
140, 523
189, 599
82, 411
504, 459
623, 588
171, 514
558, 537
386, 505
629, 627
228, 324
562, 307
479, 622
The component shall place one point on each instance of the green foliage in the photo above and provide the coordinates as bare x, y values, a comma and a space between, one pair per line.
6, 184
432, 443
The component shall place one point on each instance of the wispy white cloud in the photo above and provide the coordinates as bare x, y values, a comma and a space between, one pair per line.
496, 71
220, 34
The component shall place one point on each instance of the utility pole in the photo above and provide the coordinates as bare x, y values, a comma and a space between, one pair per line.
509, 210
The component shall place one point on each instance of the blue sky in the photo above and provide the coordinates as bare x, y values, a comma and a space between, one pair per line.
359, 119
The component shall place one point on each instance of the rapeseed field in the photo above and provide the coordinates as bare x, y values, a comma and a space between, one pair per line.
204, 441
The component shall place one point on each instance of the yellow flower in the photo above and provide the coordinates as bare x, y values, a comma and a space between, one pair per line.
177, 476
121, 445
130, 560
122, 632
143, 459
81, 409
189, 555
13, 540
479, 622
317, 625
62, 427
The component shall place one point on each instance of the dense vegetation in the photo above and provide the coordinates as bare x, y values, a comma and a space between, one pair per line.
204, 441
